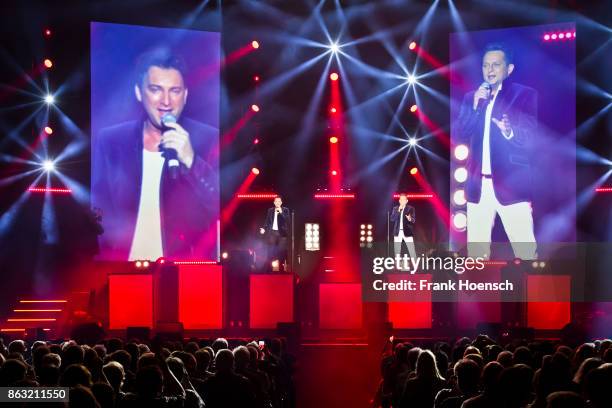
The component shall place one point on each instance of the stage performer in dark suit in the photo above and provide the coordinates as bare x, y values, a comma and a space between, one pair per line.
403, 218
498, 122
276, 228
156, 178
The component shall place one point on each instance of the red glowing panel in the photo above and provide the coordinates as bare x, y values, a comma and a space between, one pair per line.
257, 196
49, 190
201, 296
130, 301
333, 196
548, 298
340, 306
409, 310
271, 300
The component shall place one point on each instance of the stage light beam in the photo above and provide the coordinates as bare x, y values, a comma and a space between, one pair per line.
48, 166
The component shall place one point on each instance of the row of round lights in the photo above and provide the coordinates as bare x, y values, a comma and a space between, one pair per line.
460, 174
312, 237
567, 35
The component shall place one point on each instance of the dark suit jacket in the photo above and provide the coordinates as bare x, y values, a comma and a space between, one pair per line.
189, 205
395, 220
283, 221
510, 158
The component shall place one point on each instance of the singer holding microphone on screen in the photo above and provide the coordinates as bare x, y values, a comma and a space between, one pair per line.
498, 122
156, 177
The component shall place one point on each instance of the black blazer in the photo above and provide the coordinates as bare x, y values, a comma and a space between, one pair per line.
189, 205
283, 221
510, 158
395, 220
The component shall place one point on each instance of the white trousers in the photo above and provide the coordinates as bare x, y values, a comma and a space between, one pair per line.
517, 220
397, 244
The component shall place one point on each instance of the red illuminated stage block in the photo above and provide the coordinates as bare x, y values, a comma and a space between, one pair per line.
130, 300
409, 310
271, 300
548, 298
340, 306
200, 296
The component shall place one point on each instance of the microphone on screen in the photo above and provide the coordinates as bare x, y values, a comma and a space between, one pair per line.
169, 153
482, 103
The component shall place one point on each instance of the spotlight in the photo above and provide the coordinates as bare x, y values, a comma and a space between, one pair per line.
334, 47
334, 76
459, 197
534, 264
48, 166
48, 63
461, 152
546, 37
460, 221
49, 99
333, 140
311, 239
256, 78
48, 130
333, 110
561, 36
412, 141
460, 174
412, 45
48, 32
414, 171
275, 265
413, 108
224, 255
255, 108
255, 44
255, 171
574, 33
334, 173
411, 79
553, 37
542, 264
145, 264
138, 264
256, 141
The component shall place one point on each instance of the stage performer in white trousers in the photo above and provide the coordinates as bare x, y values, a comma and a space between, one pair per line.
498, 121
403, 218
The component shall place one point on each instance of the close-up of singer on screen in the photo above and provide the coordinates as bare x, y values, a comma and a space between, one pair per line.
152, 176
498, 121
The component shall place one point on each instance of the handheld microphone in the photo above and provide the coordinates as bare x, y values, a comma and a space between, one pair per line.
482, 103
170, 154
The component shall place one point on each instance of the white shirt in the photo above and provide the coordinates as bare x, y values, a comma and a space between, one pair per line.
486, 140
275, 223
147, 241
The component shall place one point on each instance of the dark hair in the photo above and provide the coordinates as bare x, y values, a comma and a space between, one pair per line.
158, 57
508, 57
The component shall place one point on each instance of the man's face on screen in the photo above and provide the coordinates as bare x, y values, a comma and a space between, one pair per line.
494, 68
403, 200
278, 202
162, 91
